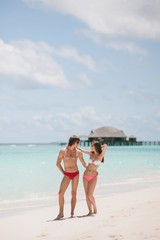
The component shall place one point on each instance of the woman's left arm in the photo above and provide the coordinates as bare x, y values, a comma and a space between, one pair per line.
104, 147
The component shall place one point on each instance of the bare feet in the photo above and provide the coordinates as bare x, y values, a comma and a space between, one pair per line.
60, 216
90, 214
72, 215
95, 211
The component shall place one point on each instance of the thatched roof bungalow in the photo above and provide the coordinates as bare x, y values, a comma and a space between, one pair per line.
132, 139
107, 134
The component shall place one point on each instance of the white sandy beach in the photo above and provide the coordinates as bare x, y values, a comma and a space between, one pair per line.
130, 216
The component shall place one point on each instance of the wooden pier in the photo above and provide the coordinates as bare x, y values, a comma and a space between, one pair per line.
123, 143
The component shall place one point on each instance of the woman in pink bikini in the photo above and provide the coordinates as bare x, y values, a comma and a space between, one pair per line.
90, 175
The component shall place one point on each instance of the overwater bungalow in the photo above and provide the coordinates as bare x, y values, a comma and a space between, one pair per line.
109, 135
132, 139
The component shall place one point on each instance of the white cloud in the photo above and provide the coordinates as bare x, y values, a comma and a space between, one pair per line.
81, 117
86, 80
122, 18
127, 46
67, 52
138, 96
59, 126
85, 119
28, 64
31, 64
72, 53
44, 122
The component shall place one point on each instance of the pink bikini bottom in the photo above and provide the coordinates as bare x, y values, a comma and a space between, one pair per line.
89, 178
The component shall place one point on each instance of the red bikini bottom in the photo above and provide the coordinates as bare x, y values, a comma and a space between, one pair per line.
71, 175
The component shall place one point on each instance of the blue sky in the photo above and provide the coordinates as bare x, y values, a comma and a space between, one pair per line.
68, 67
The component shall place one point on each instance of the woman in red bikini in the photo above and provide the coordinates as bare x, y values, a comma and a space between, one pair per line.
90, 174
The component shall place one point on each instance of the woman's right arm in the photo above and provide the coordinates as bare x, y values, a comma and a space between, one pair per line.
84, 151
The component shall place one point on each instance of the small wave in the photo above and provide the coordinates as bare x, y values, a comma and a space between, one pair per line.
30, 198
13, 145
132, 181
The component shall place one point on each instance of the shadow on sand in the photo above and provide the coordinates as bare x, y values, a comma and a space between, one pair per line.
86, 215
60, 219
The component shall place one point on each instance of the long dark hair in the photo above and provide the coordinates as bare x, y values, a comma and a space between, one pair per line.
98, 148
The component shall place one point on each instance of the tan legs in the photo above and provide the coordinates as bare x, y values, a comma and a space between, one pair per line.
86, 186
89, 189
74, 193
64, 185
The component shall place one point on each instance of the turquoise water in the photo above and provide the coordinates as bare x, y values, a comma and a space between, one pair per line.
29, 171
